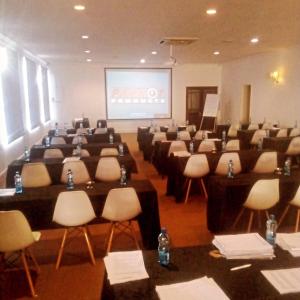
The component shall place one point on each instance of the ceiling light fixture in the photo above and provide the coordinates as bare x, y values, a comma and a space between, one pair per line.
79, 7
87, 51
143, 60
254, 40
154, 52
85, 37
216, 52
211, 11
88, 59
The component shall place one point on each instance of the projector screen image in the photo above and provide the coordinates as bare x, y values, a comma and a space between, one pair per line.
138, 93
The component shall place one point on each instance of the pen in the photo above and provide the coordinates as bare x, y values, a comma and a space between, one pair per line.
241, 267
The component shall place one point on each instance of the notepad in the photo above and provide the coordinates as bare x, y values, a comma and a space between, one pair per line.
289, 242
7, 192
73, 158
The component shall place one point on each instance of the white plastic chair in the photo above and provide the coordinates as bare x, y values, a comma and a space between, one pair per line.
295, 132
294, 146
282, 133
79, 140
73, 209
79, 170
253, 126
108, 169
100, 130
57, 140
222, 167
81, 131
232, 145
266, 163
177, 146
53, 153
232, 131
35, 175
257, 136
207, 146
184, 135
159, 136
109, 152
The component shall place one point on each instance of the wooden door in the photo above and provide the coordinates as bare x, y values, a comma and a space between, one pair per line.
195, 100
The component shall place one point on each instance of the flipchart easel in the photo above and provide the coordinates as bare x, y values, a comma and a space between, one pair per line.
210, 109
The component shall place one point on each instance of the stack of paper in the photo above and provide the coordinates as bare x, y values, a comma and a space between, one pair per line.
290, 242
125, 266
73, 158
284, 281
243, 246
198, 289
7, 192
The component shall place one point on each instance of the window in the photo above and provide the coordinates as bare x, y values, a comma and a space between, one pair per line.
45, 94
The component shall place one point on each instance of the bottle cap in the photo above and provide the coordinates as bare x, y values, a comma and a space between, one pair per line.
163, 230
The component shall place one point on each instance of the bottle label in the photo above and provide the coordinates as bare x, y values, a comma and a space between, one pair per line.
164, 257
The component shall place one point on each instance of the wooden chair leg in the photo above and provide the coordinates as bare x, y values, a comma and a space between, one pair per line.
259, 219
89, 245
111, 233
204, 188
134, 235
32, 290
238, 217
188, 191
267, 215
37, 267
250, 221
61, 249
297, 221
284, 214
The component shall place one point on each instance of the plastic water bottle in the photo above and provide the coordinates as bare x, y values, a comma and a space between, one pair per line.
78, 150
18, 183
223, 135
56, 129
121, 149
80, 125
26, 154
230, 173
223, 145
47, 141
259, 145
287, 167
271, 227
163, 247
90, 131
191, 146
123, 179
111, 138
70, 182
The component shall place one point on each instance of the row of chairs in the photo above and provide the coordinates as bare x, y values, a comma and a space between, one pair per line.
78, 139
36, 174
74, 211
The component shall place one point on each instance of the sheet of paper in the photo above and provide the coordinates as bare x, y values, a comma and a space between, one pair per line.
7, 192
73, 158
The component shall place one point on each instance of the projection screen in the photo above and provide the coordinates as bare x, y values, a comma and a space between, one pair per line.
138, 93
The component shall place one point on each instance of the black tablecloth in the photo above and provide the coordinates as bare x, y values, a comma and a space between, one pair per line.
195, 262
38, 205
279, 144
37, 151
51, 132
227, 195
176, 165
55, 166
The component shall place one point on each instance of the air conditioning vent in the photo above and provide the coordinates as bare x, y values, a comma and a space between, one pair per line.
178, 41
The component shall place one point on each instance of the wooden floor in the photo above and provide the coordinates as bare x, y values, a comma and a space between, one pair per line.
77, 278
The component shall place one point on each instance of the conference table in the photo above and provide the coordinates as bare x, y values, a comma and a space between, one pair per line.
94, 149
227, 195
176, 180
63, 132
142, 132
38, 205
279, 144
190, 263
55, 167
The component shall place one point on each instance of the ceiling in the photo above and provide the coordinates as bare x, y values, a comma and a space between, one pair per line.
124, 31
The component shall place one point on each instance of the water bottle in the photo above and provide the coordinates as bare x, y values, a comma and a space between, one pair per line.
230, 173
47, 141
70, 182
26, 154
80, 125
223, 145
223, 135
259, 145
78, 150
123, 179
191, 146
271, 227
90, 131
18, 183
287, 167
121, 149
203, 135
56, 129
111, 138
163, 247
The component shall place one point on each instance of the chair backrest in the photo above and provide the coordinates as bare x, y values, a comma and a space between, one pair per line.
222, 167
200, 134
295, 132
159, 136
15, 231
232, 131
84, 153
267, 125
121, 204
79, 139
57, 140
81, 131
196, 166
102, 123
294, 146
53, 153
282, 133
296, 199
79, 170
100, 130
258, 135
181, 153
35, 175
232, 145
108, 169
266, 163
253, 126
109, 152
191, 128
207, 146
177, 146
184, 135
73, 208
263, 195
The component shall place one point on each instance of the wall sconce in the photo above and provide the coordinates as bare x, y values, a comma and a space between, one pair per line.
275, 76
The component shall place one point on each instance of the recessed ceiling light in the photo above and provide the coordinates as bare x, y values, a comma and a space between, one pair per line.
143, 60
211, 11
154, 52
254, 40
85, 37
216, 52
79, 7
88, 59
87, 51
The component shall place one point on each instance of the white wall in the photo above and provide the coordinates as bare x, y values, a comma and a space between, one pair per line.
275, 102
80, 89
